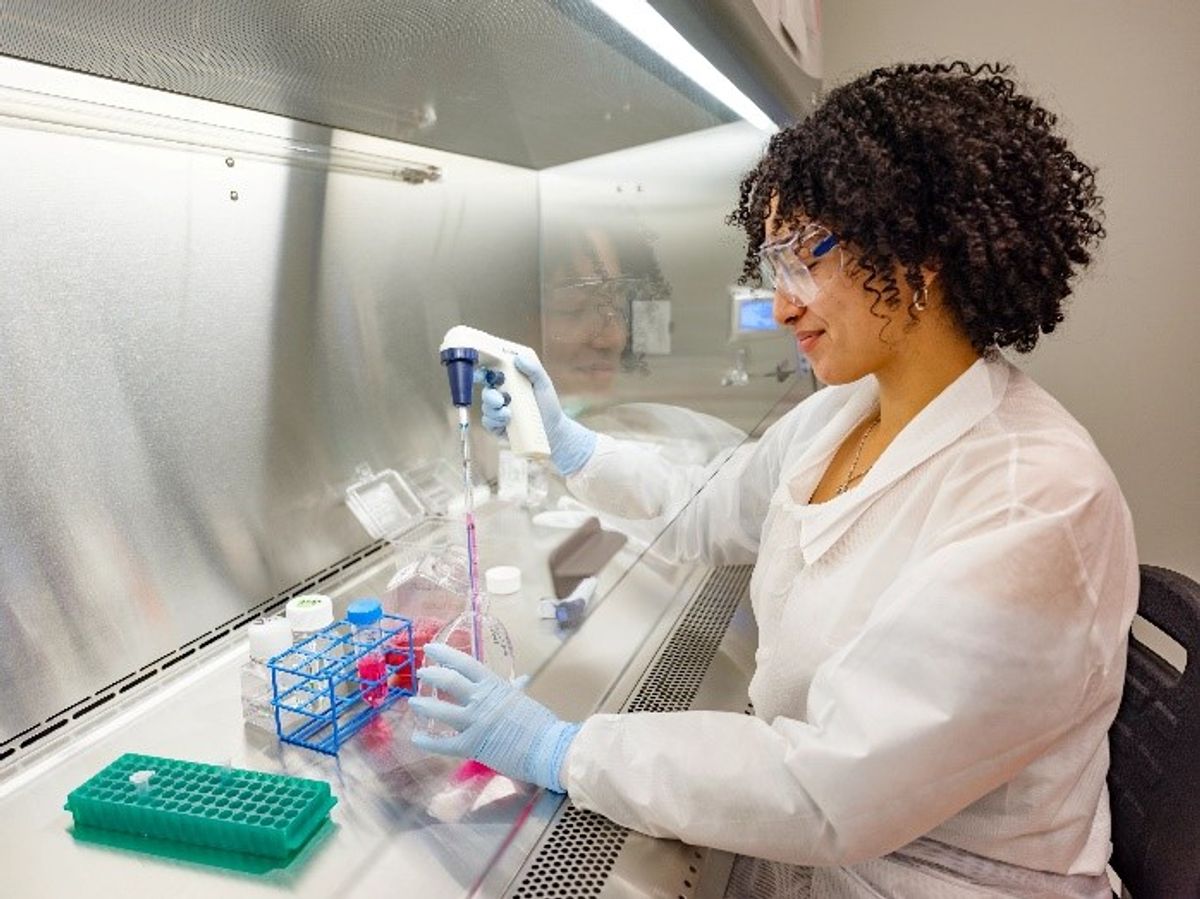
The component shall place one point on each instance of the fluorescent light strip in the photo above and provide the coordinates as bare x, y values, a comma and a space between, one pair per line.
23, 108
643, 22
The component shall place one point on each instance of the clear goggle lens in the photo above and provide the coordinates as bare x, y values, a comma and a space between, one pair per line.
800, 265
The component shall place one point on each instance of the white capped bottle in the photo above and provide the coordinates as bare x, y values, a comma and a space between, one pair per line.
267, 637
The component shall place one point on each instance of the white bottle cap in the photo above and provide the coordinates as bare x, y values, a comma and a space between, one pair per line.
503, 579
309, 613
269, 637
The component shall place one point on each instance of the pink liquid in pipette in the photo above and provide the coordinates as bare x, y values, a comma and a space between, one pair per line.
473, 575
472, 543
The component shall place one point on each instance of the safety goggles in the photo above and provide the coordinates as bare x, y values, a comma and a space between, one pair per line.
800, 264
591, 306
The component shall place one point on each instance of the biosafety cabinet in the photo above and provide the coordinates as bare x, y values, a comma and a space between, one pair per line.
234, 234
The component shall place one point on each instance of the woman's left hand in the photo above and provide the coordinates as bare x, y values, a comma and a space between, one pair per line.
497, 723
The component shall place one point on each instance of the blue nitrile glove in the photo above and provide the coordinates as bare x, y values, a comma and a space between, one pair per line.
497, 724
571, 444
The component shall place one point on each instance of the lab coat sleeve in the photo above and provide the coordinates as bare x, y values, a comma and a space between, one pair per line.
972, 664
731, 494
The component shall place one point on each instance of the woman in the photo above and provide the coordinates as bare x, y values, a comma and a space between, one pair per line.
945, 566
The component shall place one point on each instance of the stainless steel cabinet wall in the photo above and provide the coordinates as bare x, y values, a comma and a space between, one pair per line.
189, 379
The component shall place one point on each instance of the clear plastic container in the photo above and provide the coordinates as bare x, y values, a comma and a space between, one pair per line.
429, 587
537, 484
383, 503
306, 615
513, 476
438, 485
467, 632
267, 637
429, 581
522, 480
490, 636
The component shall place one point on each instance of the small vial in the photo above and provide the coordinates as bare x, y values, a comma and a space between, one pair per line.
141, 783
569, 612
513, 476
307, 615
365, 617
537, 485
267, 637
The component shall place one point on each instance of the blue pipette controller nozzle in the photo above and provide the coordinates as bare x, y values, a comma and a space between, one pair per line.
460, 365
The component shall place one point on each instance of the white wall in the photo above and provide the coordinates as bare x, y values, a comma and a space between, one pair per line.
1125, 79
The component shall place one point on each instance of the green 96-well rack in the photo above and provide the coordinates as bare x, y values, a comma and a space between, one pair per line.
203, 805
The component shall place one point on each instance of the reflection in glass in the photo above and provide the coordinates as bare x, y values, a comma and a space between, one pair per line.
593, 277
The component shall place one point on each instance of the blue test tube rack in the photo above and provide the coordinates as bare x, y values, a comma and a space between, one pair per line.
318, 692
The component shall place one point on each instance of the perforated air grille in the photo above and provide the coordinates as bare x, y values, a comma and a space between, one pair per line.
576, 858
671, 682
578, 854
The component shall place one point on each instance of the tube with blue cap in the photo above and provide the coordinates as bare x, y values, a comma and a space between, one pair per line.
569, 612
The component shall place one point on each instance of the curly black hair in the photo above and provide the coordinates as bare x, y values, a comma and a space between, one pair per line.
943, 165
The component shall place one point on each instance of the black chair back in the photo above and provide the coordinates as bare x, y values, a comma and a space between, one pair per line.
1154, 776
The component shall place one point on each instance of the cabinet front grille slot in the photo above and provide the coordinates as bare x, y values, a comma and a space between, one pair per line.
580, 849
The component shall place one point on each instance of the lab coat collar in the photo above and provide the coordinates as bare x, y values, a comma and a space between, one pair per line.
964, 403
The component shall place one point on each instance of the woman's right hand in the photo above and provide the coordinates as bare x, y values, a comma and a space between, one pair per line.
571, 444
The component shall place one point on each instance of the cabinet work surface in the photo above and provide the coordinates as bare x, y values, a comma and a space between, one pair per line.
382, 836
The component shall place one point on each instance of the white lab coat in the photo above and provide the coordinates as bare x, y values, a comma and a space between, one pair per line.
941, 650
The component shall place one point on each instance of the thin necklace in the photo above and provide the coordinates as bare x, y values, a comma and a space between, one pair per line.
851, 477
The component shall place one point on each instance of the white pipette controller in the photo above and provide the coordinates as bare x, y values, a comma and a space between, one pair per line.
462, 348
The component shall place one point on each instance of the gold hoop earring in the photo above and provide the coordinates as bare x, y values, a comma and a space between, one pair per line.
920, 300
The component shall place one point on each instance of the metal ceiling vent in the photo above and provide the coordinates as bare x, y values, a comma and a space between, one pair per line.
578, 853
